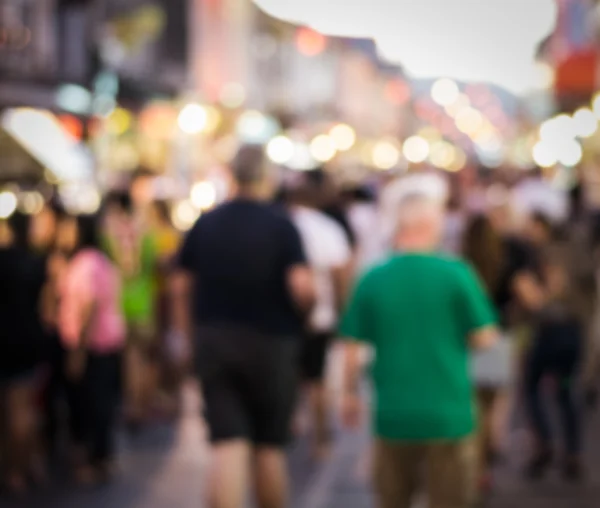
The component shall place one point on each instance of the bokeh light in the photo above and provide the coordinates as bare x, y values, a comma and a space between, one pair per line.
280, 149
193, 119
31, 203
469, 121
569, 153
543, 155
8, 204
585, 123
385, 155
445, 92
416, 149
309, 42
255, 128
343, 136
233, 95
203, 195
184, 214
323, 148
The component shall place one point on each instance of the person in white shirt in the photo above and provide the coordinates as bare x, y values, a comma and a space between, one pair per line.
329, 255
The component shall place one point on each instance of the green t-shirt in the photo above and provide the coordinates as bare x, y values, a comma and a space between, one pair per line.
139, 291
417, 311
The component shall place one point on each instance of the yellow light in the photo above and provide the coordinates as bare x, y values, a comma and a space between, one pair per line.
233, 95
119, 121
596, 105
458, 105
442, 154
545, 75
203, 195
444, 92
385, 155
193, 119
469, 121
8, 204
280, 149
184, 215
323, 148
459, 162
32, 203
343, 137
585, 123
430, 134
544, 155
416, 149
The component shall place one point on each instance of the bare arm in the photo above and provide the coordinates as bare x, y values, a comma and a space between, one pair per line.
484, 337
342, 277
301, 285
180, 289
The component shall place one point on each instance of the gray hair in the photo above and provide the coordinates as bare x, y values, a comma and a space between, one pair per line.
250, 165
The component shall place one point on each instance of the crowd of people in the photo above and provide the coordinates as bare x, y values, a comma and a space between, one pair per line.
471, 314
83, 316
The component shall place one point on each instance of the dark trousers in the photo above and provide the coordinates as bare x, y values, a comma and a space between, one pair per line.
556, 353
94, 402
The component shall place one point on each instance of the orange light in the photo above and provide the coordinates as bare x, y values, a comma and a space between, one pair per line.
397, 92
72, 125
309, 42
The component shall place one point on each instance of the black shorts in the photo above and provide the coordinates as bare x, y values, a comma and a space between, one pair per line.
249, 383
314, 355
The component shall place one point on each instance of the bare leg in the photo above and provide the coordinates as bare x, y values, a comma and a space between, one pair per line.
318, 400
21, 434
229, 471
271, 478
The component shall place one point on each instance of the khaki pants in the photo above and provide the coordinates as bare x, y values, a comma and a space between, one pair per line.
449, 467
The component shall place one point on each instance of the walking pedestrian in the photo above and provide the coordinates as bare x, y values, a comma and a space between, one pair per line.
421, 312
330, 257
93, 331
556, 351
483, 247
252, 290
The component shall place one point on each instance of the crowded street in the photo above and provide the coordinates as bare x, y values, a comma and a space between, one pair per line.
166, 467
299, 254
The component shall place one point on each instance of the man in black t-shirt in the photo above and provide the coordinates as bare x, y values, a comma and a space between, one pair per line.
251, 286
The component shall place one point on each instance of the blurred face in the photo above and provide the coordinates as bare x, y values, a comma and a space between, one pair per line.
6, 236
42, 229
537, 232
142, 191
67, 235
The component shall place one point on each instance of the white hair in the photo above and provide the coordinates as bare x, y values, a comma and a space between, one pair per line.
417, 209
412, 199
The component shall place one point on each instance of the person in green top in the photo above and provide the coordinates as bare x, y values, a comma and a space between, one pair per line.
421, 312
134, 251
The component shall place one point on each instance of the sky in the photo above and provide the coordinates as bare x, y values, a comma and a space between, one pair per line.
493, 41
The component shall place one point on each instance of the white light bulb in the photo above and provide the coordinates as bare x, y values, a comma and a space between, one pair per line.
585, 123
203, 195
445, 92
280, 149
193, 119
416, 149
8, 204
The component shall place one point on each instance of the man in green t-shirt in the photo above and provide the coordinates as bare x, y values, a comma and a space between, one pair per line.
421, 312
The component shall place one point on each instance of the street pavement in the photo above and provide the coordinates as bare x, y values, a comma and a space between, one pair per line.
165, 468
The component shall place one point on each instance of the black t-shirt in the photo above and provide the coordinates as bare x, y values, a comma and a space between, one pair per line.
338, 214
519, 256
21, 339
239, 255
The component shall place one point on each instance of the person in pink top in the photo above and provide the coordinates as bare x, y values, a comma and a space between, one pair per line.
92, 328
